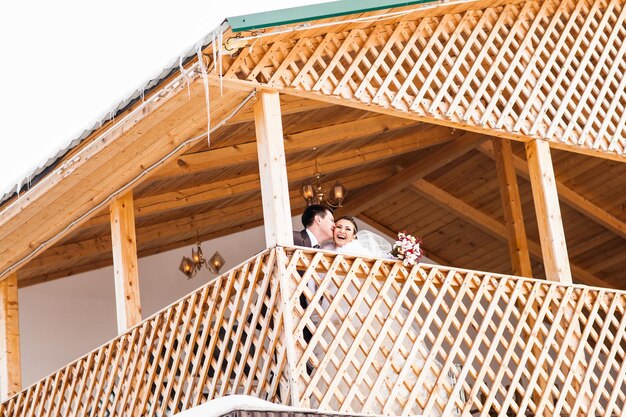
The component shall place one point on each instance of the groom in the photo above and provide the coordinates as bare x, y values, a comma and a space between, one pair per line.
318, 225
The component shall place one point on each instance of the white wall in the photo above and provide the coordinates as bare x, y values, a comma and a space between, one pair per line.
63, 320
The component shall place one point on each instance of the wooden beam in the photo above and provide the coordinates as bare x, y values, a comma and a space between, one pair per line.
71, 256
273, 170
489, 225
512, 208
298, 171
570, 197
303, 141
110, 158
288, 105
10, 368
124, 246
548, 212
87, 255
438, 159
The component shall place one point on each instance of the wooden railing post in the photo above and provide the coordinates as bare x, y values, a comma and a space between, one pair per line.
125, 268
273, 170
10, 370
546, 199
286, 292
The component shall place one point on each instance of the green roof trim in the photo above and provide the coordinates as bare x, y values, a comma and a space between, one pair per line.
313, 12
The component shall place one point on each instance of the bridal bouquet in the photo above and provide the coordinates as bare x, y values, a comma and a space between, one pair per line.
407, 248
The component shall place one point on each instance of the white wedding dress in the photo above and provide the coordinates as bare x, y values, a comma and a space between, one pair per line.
366, 244
387, 359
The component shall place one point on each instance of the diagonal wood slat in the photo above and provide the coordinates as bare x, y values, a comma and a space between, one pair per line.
221, 339
386, 339
437, 340
546, 69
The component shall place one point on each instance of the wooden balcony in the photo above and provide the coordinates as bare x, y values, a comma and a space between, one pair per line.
331, 332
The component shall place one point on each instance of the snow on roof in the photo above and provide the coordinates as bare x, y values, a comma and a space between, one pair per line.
224, 405
40, 169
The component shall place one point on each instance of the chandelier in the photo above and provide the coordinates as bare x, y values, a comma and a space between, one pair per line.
191, 266
314, 193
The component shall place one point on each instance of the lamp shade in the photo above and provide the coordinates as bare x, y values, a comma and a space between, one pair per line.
339, 192
187, 267
216, 263
197, 256
308, 192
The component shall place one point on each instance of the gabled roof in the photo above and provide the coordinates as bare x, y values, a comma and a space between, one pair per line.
184, 188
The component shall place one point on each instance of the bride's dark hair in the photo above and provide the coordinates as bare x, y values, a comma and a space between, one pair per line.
351, 220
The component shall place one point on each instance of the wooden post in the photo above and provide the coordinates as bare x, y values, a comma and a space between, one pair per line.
294, 353
553, 246
512, 207
125, 262
273, 170
10, 370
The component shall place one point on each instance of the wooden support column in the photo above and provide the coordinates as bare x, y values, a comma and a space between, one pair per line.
549, 221
10, 370
512, 207
273, 170
554, 251
125, 269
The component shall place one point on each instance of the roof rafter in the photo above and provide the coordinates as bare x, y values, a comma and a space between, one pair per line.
169, 234
570, 197
247, 152
438, 159
490, 225
299, 171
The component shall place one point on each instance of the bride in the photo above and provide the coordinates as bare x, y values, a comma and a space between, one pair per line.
349, 240
387, 359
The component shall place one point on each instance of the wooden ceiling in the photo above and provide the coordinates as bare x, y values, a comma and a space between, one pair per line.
214, 191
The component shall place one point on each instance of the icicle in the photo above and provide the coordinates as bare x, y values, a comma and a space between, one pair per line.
214, 51
251, 47
219, 58
205, 80
18, 186
185, 76
143, 98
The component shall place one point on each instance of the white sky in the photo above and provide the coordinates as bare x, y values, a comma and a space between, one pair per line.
64, 63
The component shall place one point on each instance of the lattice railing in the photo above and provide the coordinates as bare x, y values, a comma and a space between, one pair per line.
222, 339
539, 69
442, 341
361, 335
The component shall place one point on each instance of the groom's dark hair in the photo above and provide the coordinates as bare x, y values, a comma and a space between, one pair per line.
311, 211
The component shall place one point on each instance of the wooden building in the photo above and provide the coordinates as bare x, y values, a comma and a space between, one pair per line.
493, 130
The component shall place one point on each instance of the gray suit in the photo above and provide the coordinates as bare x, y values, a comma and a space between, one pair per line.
301, 238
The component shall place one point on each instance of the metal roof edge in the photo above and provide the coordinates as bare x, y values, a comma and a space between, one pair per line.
313, 12
43, 168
